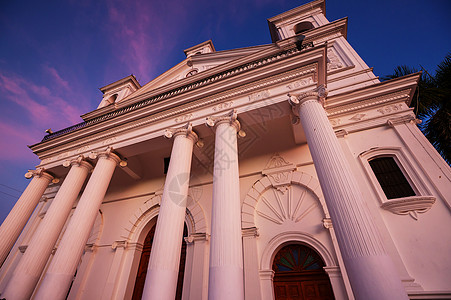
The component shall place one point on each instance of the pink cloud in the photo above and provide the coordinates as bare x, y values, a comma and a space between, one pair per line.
15, 92
18, 137
141, 33
56, 77
41, 106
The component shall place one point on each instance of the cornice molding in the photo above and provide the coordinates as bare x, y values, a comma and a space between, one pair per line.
114, 130
364, 103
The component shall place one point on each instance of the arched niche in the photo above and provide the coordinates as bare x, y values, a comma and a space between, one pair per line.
279, 175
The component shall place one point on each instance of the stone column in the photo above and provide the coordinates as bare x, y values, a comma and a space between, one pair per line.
62, 268
226, 279
22, 210
162, 272
370, 269
31, 265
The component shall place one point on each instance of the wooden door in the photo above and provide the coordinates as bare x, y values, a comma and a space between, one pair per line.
299, 275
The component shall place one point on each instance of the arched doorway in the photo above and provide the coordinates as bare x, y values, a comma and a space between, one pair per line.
144, 262
299, 274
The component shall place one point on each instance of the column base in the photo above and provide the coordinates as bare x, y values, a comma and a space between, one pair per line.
226, 283
374, 277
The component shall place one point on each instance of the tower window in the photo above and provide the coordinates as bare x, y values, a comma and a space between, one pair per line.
303, 26
391, 178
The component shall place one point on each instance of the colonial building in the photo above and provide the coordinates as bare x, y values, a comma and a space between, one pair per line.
281, 171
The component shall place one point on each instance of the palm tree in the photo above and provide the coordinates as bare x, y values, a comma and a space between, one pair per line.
432, 104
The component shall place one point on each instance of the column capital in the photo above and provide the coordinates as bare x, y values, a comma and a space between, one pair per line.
39, 173
230, 117
186, 130
80, 161
108, 153
296, 100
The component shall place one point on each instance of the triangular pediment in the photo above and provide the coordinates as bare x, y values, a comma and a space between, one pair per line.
195, 64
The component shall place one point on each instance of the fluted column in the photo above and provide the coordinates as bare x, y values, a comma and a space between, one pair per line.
162, 272
226, 279
31, 265
60, 273
22, 210
370, 269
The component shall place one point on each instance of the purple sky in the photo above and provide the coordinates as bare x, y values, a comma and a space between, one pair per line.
54, 55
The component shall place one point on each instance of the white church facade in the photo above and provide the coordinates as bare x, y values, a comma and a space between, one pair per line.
280, 171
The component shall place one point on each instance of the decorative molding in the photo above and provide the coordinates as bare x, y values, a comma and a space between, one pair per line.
403, 120
327, 223
266, 274
300, 83
259, 95
197, 237
250, 232
357, 117
222, 106
409, 205
341, 133
90, 247
272, 58
183, 118
335, 122
334, 62
119, 244
299, 72
255, 195
279, 172
284, 238
358, 105
390, 109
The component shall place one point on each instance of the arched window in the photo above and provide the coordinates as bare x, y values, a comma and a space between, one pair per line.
299, 274
111, 99
391, 178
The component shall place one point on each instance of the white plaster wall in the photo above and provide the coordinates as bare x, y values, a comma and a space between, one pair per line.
422, 244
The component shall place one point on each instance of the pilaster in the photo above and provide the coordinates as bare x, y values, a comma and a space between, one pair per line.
252, 289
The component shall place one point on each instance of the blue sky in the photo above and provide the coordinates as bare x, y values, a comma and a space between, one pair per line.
54, 55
